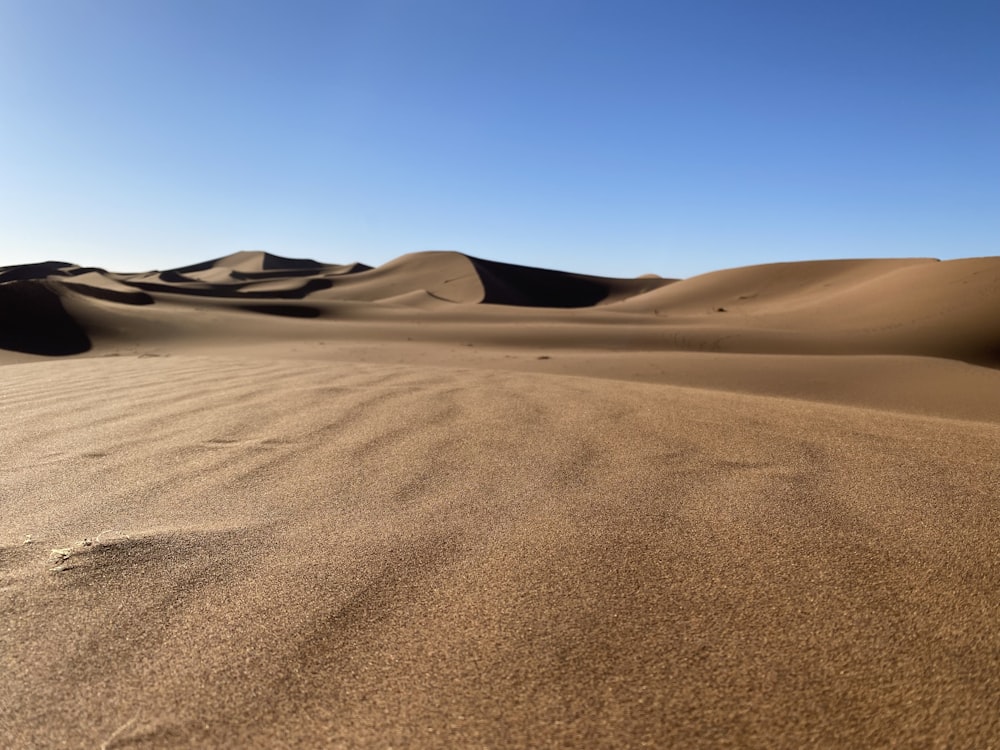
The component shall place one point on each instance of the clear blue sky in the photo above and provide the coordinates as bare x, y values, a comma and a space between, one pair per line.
613, 137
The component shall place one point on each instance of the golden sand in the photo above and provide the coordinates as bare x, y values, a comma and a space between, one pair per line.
452, 503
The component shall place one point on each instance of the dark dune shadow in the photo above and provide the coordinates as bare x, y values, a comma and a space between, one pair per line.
293, 272
238, 291
110, 295
508, 284
288, 311
524, 286
176, 277
32, 271
271, 262
33, 321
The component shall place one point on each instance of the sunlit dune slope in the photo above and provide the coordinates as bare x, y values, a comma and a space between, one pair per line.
917, 307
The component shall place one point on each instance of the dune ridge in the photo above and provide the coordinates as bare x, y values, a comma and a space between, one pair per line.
915, 307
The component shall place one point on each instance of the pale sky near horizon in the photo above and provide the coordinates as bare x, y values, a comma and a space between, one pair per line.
613, 137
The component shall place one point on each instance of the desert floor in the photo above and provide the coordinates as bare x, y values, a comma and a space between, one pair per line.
451, 503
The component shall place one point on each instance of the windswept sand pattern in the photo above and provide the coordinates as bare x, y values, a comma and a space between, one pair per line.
296, 553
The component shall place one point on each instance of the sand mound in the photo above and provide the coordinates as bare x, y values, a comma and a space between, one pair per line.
444, 275
253, 261
753, 289
919, 307
911, 307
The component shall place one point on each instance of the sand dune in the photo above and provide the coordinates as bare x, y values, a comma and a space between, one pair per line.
449, 502
918, 307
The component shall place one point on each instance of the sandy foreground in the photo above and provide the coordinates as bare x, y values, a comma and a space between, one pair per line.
451, 503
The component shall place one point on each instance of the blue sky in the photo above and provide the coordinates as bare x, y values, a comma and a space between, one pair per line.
614, 137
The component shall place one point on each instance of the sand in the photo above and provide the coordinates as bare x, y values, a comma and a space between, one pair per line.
446, 502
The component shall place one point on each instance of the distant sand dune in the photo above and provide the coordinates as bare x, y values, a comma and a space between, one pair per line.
916, 307
448, 502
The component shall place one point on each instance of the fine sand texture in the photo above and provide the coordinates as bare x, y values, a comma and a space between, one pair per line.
448, 502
